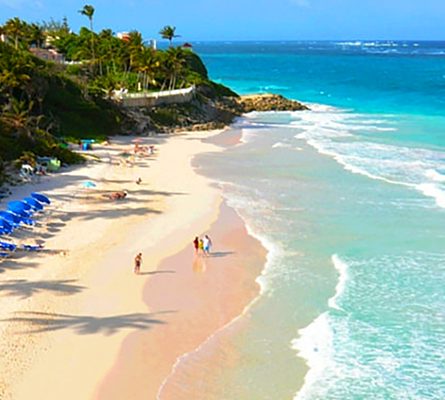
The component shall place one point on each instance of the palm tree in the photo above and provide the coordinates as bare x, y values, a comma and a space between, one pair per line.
149, 65
135, 46
175, 62
14, 27
17, 115
15, 70
36, 35
88, 11
168, 32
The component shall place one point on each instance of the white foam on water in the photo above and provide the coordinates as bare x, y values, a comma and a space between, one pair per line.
315, 346
247, 136
281, 145
336, 133
435, 175
342, 268
432, 190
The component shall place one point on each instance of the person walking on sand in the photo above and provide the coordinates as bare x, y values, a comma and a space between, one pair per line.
207, 243
137, 263
196, 244
201, 245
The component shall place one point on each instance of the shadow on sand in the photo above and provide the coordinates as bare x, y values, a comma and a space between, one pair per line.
157, 272
24, 289
221, 254
85, 324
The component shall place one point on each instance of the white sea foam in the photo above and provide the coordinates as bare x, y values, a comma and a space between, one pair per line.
435, 175
337, 133
315, 342
281, 145
342, 268
432, 190
315, 345
352, 44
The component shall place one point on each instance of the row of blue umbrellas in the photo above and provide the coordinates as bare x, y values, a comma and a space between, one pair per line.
21, 212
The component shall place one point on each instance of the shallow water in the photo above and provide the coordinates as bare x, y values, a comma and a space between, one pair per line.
349, 199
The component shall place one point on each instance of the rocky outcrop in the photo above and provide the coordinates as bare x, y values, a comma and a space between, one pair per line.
269, 102
204, 113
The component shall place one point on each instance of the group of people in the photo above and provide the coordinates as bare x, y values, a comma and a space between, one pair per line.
202, 245
138, 149
120, 195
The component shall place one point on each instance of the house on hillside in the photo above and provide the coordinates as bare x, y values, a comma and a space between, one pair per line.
125, 36
47, 54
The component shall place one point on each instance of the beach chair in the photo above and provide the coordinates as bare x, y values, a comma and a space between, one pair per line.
31, 247
8, 246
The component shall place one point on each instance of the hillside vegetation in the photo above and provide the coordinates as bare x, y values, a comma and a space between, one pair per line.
45, 103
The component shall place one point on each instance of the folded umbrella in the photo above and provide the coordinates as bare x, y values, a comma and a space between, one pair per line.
7, 246
5, 226
41, 197
33, 203
18, 205
9, 216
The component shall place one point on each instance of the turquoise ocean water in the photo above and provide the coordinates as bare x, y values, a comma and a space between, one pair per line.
349, 199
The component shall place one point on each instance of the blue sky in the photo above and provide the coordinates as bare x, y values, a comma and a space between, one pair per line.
250, 19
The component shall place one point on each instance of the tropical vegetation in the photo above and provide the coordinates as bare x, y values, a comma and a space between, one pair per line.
44, 103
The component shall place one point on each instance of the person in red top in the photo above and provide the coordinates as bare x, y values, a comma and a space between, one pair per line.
196, 244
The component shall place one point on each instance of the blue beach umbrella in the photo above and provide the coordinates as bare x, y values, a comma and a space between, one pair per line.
12, 218
20, 208
89, 184
41, 197
33, 203
18, 205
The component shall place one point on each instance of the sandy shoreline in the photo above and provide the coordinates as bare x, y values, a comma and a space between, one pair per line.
71, 313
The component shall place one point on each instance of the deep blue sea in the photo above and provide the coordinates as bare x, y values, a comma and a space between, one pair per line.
349, 199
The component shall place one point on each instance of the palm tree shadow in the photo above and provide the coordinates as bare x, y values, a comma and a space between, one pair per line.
25, 289
85, 324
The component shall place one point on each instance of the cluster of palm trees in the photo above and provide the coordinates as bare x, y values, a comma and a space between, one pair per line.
101, 62
23, 34
105, 62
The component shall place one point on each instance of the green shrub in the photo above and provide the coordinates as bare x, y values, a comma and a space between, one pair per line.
28, 157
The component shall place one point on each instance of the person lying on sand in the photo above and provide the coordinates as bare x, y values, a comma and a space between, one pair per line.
117, 195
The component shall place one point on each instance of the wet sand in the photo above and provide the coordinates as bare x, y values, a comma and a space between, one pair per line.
196, 296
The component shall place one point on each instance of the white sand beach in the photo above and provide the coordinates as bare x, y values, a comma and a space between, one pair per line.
66, 310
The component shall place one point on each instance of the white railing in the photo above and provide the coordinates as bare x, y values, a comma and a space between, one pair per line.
156, 95
154, 99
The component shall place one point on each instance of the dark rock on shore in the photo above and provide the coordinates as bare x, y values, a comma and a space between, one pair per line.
206, 113
269, 102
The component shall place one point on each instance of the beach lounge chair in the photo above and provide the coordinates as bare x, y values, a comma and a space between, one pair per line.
32, 247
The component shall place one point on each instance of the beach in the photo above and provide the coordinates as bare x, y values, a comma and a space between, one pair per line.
77, 323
